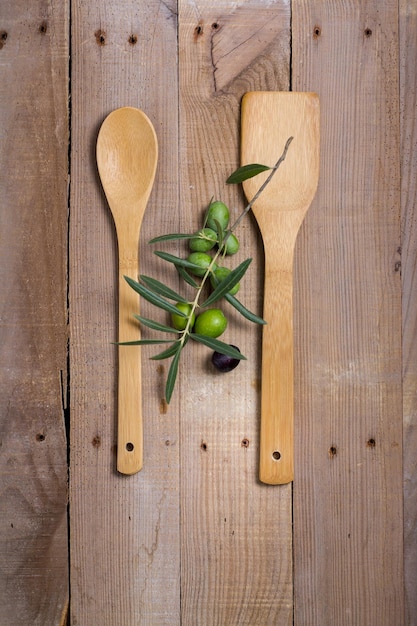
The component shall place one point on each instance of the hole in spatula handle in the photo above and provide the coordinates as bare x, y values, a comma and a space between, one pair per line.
276, 455
130, 447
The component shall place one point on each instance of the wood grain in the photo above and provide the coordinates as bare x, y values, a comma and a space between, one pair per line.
33, 334
348, 491
408, 92
124, 537
236, 533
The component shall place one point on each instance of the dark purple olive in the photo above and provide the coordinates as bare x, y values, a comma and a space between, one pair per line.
224, 363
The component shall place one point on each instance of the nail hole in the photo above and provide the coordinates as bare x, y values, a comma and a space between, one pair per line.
371, 443
316, 32
43, 28
203, 446
3, 35
215, 26
245, 443
198, 31
100, 36
276, 455
96, 442
40, 437
332, 451
129, 447
368, 32
133, 40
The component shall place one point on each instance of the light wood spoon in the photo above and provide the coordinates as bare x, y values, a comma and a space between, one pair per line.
268, 119
127, 154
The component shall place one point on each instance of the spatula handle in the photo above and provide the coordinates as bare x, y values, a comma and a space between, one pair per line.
130, 429
277, 399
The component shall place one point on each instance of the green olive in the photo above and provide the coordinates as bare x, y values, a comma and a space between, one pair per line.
211, 323
218, 212
220, 274
232, 244
202, 260
178, 321
204, 240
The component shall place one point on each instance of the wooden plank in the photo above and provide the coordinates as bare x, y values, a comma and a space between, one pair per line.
348, 491
33, 334
124, 530
236, 546
408, 91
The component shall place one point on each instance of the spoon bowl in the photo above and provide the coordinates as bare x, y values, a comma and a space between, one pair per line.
127, 154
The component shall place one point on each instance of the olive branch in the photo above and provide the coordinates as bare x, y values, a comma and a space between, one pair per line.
162, 296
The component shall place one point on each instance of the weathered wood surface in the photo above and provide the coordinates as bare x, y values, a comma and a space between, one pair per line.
236, 563
194, 538
124, 530
33, 334
408, 94
348, 496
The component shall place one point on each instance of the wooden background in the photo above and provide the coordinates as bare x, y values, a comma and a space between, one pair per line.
195, 539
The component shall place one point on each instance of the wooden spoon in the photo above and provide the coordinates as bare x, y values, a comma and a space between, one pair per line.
268, 120
127, 154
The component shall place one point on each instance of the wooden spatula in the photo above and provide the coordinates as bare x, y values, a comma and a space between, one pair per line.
268, 119
127, 154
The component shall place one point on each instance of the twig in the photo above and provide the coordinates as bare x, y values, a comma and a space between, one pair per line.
264, 184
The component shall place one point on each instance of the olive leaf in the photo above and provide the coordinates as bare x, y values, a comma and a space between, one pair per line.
219, 346
165, 354
220, 233
152, 297
228, 283
185, 275
172, 374
252, 317
161, 289
141, 342
245, 172
155, 325
170, 237
206, 214
176, 260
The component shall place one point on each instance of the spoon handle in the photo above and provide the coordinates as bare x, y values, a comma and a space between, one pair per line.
276, 465
130, 429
